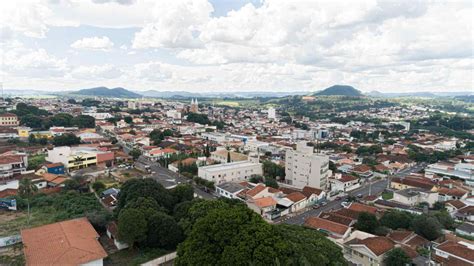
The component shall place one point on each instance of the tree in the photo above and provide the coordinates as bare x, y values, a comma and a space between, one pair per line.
66, 140
128, 119
163, 231
228, 157
367, 222
231, 235
427, 226
134, 188
182, 192
397, 257
71, 101
62, 120
256, 179
198, 118
396, 219
31, 139
271, 182
84, 121
273, 170
309, 247
98, 186
31, 120
135, 153
26, 189
71, 184
132, 226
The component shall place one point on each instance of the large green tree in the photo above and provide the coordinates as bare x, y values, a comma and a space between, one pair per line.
396, 219
397, 257
427, 226
134, 188
163, 231
132, 226
367, 222
84, 121
66, 140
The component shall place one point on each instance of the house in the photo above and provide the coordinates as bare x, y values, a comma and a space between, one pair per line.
362, 170
229, 190
313, 195
13, 163
72, 242
333, 229
368, 251
8, 133
263, 206
415, 196
452, 206
466, 229
54, 180
344, 183
452, 253
411, 182
298, 199
55, 168
112, 232
446, 194
465, 214
408, 238
358, 207
338, 218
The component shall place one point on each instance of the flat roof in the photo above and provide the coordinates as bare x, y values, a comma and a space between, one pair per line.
227, 166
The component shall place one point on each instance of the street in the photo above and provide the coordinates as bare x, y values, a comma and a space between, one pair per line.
375, 188
164, 175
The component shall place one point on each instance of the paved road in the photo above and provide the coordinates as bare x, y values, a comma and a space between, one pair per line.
375, 188
161, 173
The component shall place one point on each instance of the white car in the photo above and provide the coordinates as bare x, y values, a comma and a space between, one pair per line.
345, 204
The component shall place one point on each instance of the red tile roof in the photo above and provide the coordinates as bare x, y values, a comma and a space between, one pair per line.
70, 242
378, 245
457, 250
326, 225
296, 196
257, 189
265, 202
455, 203
355, 206
308, 191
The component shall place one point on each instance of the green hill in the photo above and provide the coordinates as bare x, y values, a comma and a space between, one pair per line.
343, 90
106, 92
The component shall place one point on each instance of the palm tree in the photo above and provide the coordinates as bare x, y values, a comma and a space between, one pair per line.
26, 189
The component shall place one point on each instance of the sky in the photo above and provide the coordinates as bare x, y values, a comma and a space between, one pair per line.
237, 45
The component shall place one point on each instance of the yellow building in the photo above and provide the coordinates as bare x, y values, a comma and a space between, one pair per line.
82, 160
24, 132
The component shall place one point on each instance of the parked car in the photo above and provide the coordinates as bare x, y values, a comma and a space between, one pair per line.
359, 195
316, 206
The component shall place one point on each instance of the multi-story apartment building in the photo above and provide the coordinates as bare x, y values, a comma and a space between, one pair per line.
306, 168
8, 120
228, 172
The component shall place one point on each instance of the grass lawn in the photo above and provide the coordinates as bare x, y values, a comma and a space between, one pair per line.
387, 195
228, 103
134, 256
12, 255
35, 161
12, 222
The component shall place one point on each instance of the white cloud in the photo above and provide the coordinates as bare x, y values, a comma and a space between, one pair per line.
106, 71
93, 43
175, 24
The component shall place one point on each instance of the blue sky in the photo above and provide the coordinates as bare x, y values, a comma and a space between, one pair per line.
234, 45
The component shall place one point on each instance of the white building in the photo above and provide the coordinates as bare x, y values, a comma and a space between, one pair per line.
255, 145
98, 116
230, 172
173, 114
305, 168
415, 196
271, 113
463, 171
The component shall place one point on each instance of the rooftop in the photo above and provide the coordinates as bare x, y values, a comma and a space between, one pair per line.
71, 242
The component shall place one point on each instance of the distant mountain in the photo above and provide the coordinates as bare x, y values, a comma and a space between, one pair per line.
244, 94
106, 92
340, 90
417, 94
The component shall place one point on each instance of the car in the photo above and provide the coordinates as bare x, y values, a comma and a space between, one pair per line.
359, 195
338, 198
324, 203
316, 206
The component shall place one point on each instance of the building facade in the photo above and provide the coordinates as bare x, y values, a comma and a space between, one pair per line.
8, 120
230, 172
305, 168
